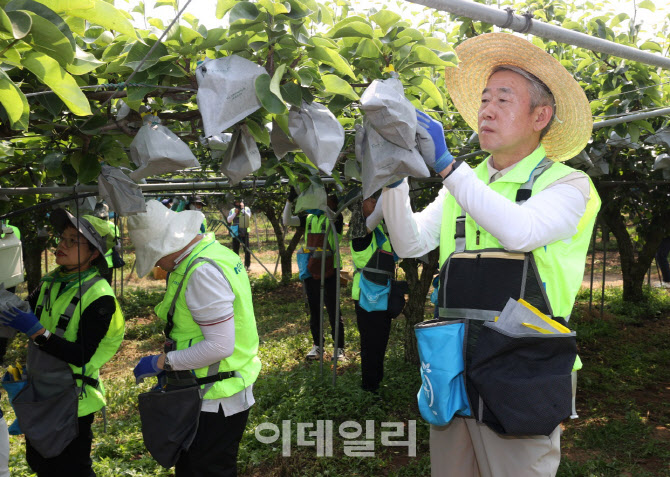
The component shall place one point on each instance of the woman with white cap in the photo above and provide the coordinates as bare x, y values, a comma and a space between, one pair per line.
76, 328
210, 360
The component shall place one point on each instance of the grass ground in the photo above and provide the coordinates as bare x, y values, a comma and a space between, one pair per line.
623, 428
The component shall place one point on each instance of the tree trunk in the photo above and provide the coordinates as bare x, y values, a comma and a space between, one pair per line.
285, 251
634, 263
415, 308
33, 251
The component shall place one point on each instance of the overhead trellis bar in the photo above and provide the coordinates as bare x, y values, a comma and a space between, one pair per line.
631, 117
524, 24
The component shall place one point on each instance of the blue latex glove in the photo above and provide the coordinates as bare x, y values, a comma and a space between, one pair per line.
431, 143
24, 321
147, 367
394, 184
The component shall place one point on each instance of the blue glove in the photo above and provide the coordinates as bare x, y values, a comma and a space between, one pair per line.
24, 321
395, 184
431, 144
147, 367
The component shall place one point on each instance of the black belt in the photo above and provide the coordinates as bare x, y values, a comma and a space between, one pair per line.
186, 378
86, 380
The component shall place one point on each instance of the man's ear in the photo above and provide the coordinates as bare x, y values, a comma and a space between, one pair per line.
543, 115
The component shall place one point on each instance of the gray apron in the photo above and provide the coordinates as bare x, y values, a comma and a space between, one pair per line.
47, 407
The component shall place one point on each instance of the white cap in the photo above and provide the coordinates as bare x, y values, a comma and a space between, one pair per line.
160, 231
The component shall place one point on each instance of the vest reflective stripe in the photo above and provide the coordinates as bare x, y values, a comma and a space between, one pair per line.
362, 258
560, 264
92, 399
186, 331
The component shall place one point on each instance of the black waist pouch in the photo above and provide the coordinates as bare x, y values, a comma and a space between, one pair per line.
523, 381
169, 422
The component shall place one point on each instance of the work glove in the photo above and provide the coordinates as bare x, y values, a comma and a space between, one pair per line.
147, 367
431, 144
24, 321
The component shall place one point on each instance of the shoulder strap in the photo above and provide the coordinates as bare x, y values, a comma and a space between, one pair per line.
170, 315
69, 311
522, 195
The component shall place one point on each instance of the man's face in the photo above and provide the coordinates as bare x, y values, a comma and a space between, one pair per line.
506, 124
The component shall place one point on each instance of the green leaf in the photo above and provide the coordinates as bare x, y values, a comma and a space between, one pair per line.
386, 19
292, 94
223, 6
49, 72
53, 163
44, 12
276, 80
336, 85
368, 49
267, 98
260, 133
169, 3
47, 38
651, 45
298, 10
236, 43
429, 88
412, 33
89, 168
358, 29
189, 35
103, 14
648, 4
583, 64
332, 58
14, 102
634, 132
83, 63
52, 103
20, 24
138, 52
243, 11
421, 54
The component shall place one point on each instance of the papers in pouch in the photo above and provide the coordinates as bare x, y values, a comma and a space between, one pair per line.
226, 91
522, 317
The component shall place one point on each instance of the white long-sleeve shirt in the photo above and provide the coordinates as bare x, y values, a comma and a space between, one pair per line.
232, 214
548, 216
210, 299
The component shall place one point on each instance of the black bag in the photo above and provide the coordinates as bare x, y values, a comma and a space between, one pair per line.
397, 298
524, 380
169, 422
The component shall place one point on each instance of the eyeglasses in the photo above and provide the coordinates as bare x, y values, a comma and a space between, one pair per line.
69, 242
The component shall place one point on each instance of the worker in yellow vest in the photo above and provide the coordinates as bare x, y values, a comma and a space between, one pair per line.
210, 358
374, 265
530, 115
77, 327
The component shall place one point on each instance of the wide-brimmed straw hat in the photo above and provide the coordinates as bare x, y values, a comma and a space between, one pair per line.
479, 56
160, 231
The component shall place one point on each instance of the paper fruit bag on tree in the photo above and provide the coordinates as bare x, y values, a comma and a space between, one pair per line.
226, 91
280, 142
390, 113
382, 162
242, 156
121, 193
318, 133
157, 150
314, 197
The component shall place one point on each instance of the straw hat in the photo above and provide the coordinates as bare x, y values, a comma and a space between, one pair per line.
159, 231
478, 56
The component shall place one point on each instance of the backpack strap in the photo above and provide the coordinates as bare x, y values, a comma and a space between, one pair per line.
65, 318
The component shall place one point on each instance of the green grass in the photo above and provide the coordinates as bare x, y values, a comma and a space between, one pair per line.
623, 429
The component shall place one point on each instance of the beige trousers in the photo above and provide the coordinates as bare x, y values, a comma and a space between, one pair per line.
467, 448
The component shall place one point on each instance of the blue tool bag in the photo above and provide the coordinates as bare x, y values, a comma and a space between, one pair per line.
442, 394
235, 231
302, 257
374, 297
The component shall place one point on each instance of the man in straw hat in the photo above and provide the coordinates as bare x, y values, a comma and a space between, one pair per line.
211, 337
530, 115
